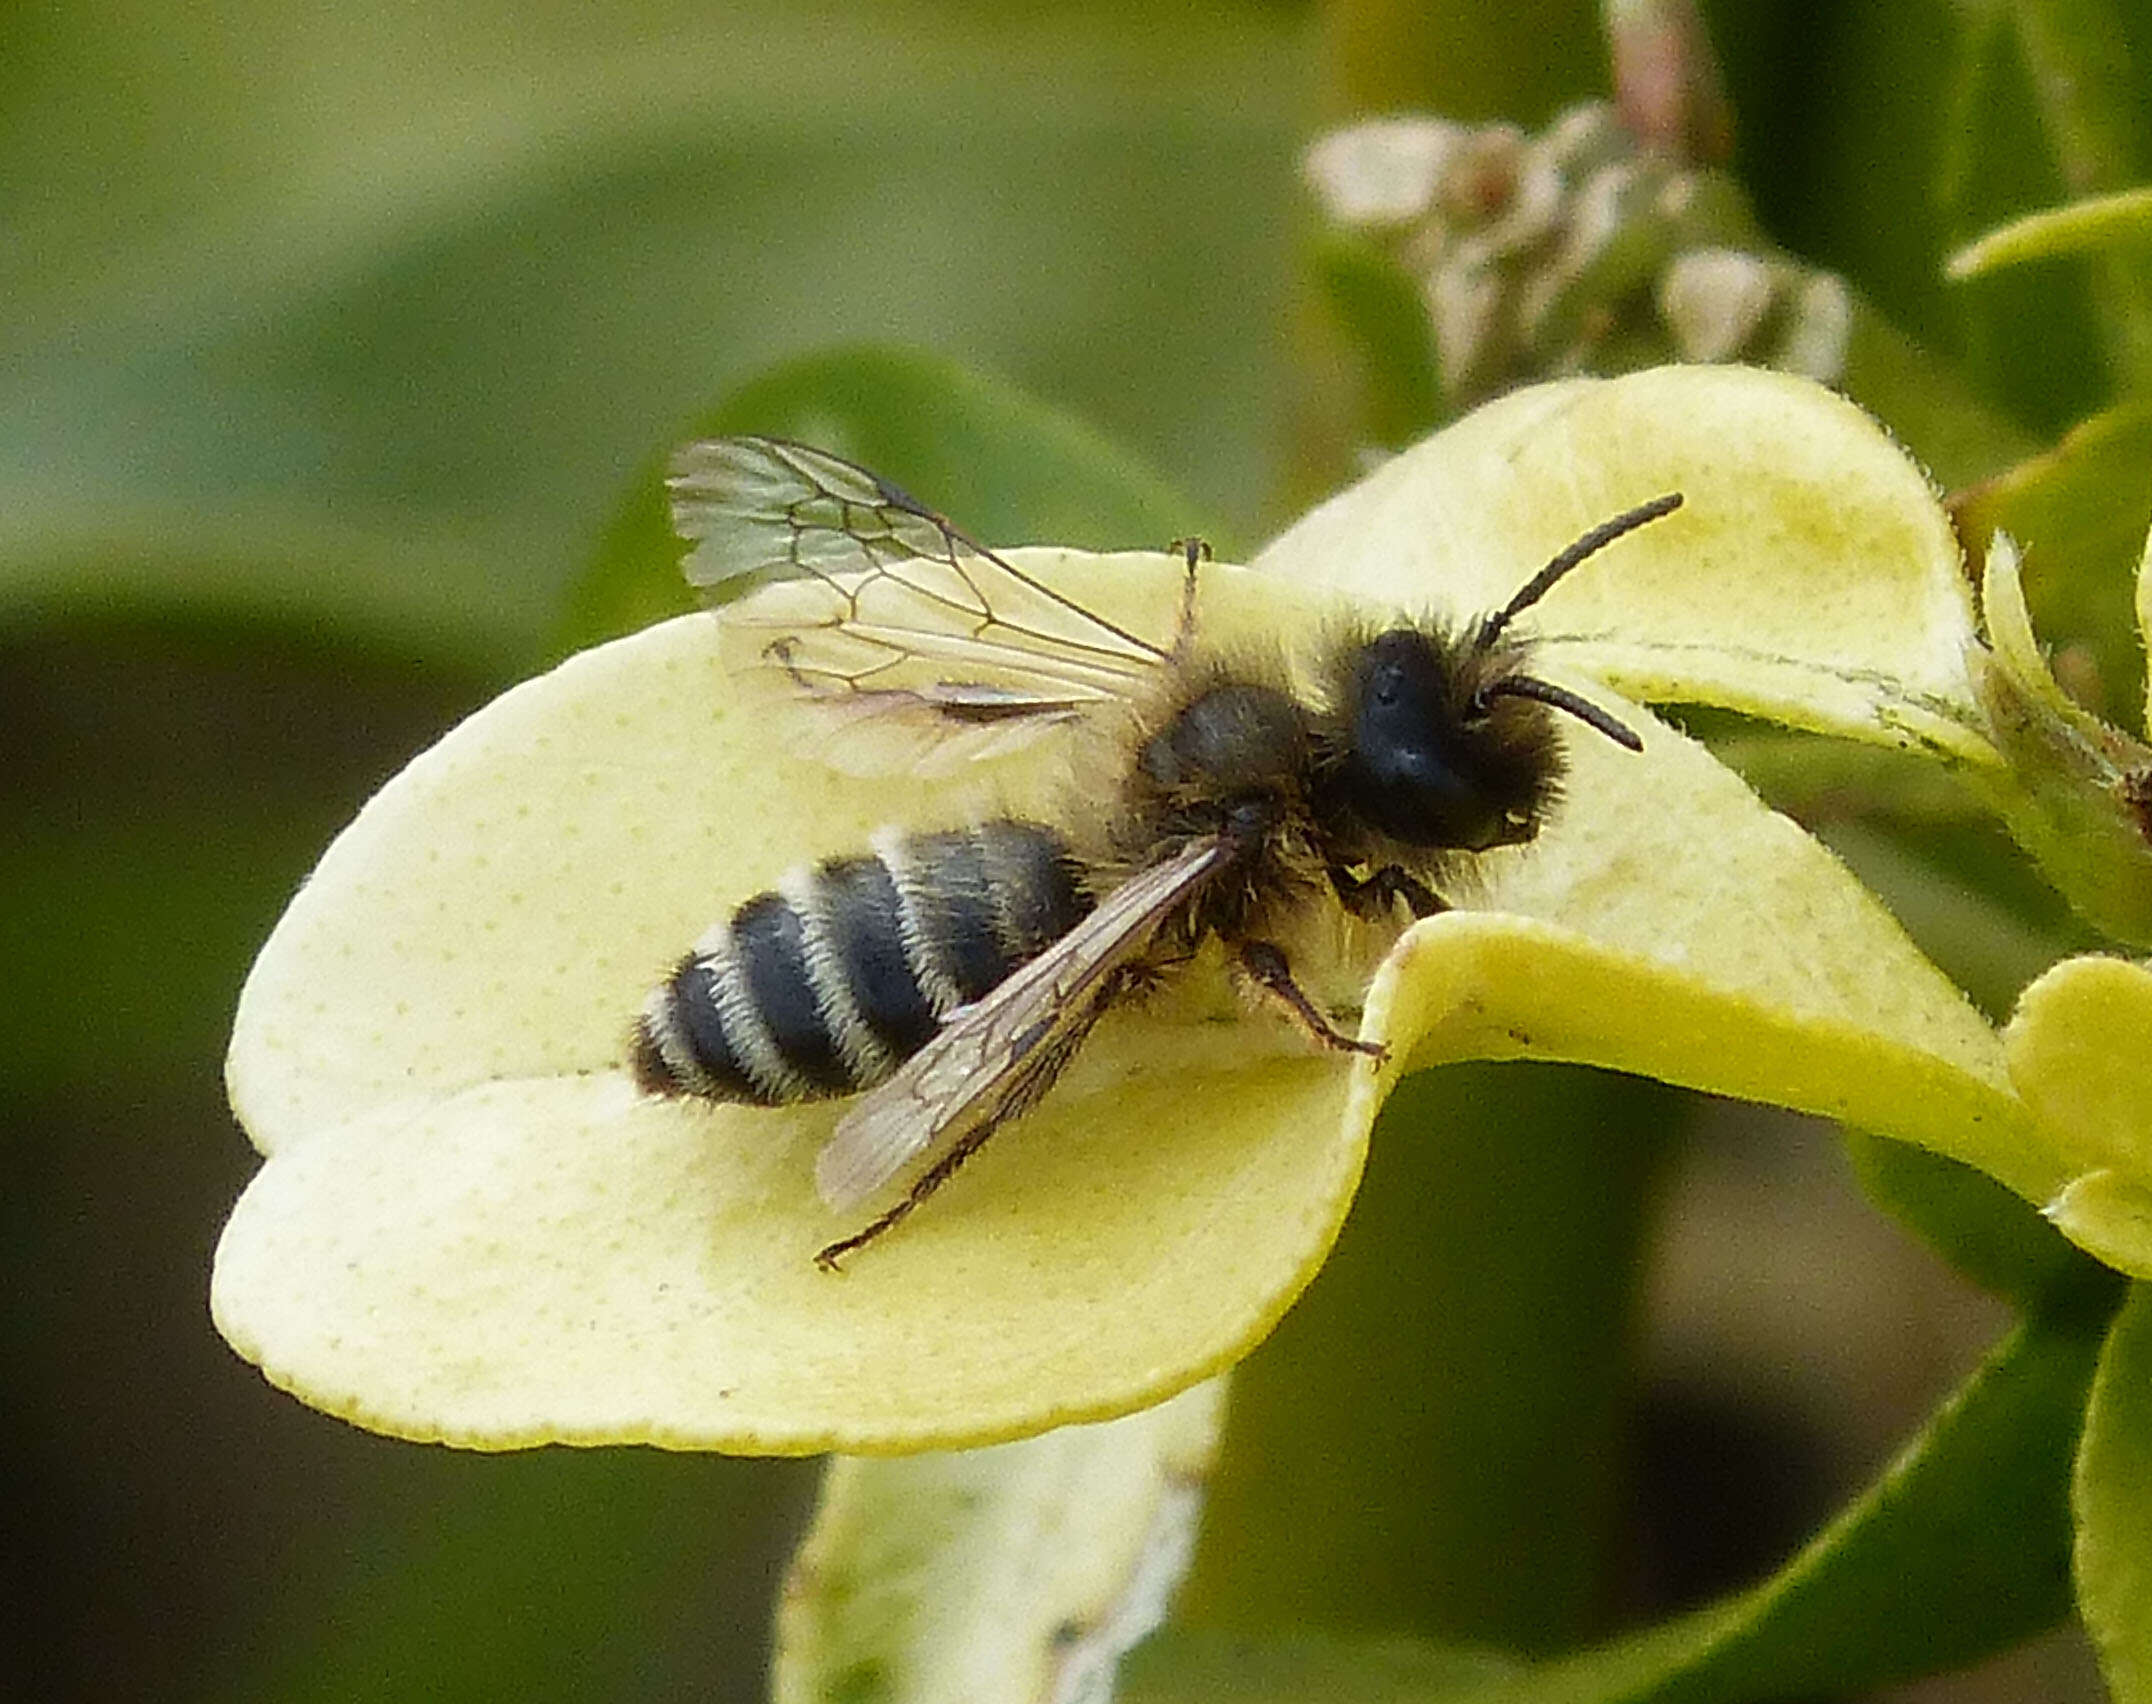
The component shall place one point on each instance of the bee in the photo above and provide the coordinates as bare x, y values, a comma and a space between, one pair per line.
947, 977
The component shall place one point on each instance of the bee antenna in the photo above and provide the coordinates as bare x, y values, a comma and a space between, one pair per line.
1589, 545
1561, 698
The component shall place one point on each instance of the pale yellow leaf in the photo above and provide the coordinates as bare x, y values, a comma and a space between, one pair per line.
1020, 1573
1811, 575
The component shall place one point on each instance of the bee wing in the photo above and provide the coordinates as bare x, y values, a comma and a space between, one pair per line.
863, 596
995, 1057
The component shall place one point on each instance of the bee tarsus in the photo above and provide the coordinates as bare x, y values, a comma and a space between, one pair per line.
1268, 968
1196, 551
943, 1169
1375, 896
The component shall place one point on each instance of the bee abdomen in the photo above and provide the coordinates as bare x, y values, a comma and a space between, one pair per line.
827, 984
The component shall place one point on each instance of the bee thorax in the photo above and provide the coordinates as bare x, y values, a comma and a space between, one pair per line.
1235, 737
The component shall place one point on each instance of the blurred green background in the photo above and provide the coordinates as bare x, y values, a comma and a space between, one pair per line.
334, 335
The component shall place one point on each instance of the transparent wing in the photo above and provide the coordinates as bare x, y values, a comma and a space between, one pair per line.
995, 1057
855, 593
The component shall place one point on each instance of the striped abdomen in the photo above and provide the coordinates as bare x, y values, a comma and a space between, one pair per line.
826, 985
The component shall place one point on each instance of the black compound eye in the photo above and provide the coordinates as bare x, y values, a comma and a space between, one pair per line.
1402, 688
1412, 772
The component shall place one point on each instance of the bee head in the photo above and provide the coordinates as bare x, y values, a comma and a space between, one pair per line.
1448, 744
1432, 759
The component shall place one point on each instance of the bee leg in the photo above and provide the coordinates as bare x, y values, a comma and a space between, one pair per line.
1267, 967
930, 1180
1036, 1077
1184, 627
1395, 884
1379, 893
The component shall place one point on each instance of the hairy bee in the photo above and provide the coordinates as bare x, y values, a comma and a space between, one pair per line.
951, 975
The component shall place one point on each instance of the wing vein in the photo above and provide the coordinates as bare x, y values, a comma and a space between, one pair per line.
991, 1059
857, 589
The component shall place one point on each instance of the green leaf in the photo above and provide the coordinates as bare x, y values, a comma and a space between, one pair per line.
1959, 1549
1384, 320
2081, 510
386, 366
2080, 57
1020, 1573
2098, 221
1957, 433
2073, 788
1191, 1666
1436, 1437
1992, 1236
543, 1577
2114, 1505
1009, 468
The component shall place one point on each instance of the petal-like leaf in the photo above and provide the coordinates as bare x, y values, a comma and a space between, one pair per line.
469, 1227
2080, 1050
1811, 575
1020, 1573
1678, 929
